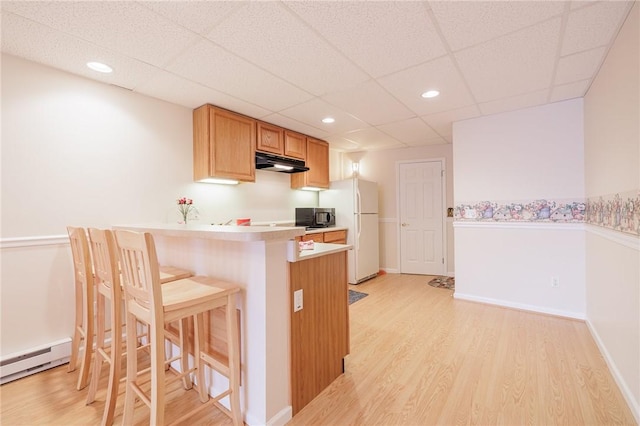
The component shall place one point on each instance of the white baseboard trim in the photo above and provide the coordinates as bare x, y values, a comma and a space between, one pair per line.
451, 274
634, 405
280, 419
390, 270
520, 306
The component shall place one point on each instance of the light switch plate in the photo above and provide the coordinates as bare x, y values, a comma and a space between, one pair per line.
297, 300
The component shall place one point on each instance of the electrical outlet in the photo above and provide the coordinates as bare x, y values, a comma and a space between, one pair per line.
555, 282
297, 300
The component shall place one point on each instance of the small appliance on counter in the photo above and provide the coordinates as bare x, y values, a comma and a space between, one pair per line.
315, 217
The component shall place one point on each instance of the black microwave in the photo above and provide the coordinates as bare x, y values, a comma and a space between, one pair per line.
315, 217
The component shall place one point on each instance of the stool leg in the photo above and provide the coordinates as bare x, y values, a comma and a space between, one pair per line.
98, 359
233, 346
116, 361
87, 346
132, 369
157, 373
77, 334
198, 346
184, 351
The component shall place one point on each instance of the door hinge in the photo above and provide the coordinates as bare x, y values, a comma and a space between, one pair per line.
443, 260
441, 173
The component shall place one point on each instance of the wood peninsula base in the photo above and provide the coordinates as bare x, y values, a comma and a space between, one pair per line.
320, 330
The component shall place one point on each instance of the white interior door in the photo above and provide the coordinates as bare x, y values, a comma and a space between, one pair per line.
421, 218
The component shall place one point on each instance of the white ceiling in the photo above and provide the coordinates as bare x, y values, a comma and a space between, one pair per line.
363, 63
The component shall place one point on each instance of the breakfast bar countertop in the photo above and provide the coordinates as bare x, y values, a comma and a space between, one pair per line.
319, 249
218, 232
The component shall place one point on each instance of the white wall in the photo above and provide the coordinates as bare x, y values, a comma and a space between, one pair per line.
78, 152
381, 167
612, 166
521, 157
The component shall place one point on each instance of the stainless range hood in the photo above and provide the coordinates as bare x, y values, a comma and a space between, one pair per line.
280, 164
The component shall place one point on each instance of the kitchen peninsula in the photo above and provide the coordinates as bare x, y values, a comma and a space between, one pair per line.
258, 259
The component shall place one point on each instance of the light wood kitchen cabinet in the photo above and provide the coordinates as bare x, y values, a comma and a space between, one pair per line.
318, 238
318, 164
333, 237
270, 138
223, 144
295, 145
276, 140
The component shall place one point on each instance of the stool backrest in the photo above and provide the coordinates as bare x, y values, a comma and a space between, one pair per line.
105, 262
140, 274
82, 271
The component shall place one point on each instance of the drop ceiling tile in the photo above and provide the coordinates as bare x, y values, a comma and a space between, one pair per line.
442, 122
214, 67
579, 66
381, 37
312, 112
410, 131
178, 90
296, 126
370, 103
197, 16
466, 23
36, 42
569, 91
593, 26
276, 40
511, 65
372, 138
432, 141
340, 143
440, 74
125, 27
527, 100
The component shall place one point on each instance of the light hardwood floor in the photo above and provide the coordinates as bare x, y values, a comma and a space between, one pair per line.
418, 357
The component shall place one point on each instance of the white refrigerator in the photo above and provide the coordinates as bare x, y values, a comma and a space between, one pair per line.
356, 204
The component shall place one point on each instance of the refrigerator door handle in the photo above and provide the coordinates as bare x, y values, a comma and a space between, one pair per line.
358, 201
358, 230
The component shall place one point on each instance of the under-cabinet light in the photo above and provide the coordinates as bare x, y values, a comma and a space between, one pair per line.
281, 167
311, 188
220, 181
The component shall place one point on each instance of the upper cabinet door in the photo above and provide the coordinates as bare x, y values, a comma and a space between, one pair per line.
295, 145
318, 163
270, 138
223, 144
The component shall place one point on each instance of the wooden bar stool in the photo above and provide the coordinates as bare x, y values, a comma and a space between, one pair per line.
106, 272
84, 320
147, 301
108, 288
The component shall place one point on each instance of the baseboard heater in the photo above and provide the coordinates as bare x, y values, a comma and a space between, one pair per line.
21, 364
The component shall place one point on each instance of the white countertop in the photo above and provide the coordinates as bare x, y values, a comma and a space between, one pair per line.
294, 254
218, 232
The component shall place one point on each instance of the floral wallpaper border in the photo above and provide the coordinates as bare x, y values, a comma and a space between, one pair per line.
620, 212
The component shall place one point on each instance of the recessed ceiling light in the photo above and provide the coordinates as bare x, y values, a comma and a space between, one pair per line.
100, 67
328, 120
430, 94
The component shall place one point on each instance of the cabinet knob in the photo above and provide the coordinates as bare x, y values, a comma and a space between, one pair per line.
405, 224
